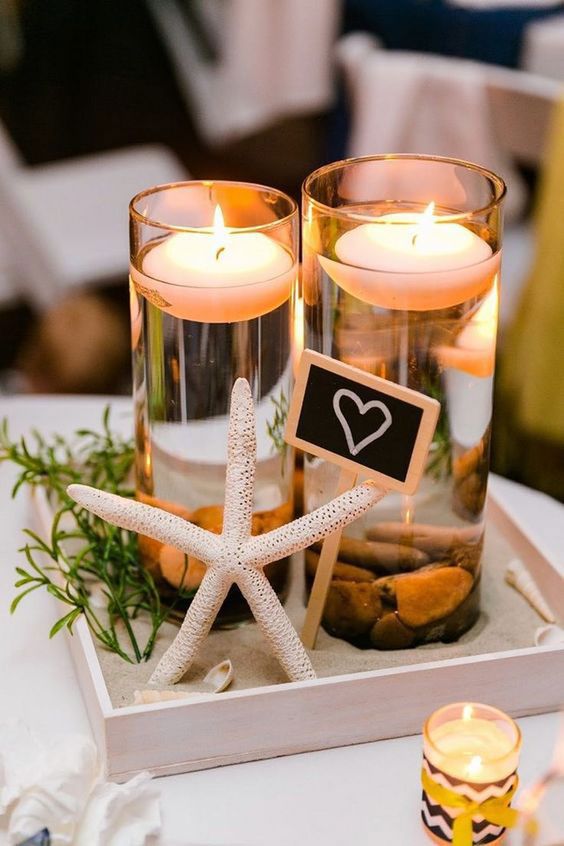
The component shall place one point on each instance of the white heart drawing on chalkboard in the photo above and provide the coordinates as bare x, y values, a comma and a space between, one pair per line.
363, 407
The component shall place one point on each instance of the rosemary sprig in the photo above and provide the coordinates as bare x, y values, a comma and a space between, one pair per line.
87, 564
276, 428
439, 464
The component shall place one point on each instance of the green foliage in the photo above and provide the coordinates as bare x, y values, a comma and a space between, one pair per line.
89, 565
276, 428
439, 464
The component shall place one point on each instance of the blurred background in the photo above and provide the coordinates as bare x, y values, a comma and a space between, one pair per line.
101, 99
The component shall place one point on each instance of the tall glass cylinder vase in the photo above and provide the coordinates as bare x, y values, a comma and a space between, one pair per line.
213, 272
401, 259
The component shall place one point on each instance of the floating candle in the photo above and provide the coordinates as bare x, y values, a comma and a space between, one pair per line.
413, 261
216, 274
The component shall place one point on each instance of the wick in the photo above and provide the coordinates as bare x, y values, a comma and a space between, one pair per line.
219, 252
414, 239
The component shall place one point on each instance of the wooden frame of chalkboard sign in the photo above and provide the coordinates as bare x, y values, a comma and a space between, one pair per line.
392, 448
317, 423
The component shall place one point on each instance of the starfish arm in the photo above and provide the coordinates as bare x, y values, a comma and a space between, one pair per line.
274, 624
147, 520
196, 625
241, 461
329, 518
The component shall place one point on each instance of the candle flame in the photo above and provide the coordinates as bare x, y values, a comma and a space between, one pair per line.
219, 232
474, 766
424, 224
428, 215
467, 712
147, 459
407, 509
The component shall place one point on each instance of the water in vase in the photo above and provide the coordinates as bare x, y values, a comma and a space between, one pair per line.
446, 353
183, 375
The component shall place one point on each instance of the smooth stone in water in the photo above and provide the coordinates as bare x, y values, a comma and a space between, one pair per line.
149, 548
210, 517
435, 540
431, 595
390, 633
470, 496
351, 609
384, 557
179, 572
468, 556
341, 572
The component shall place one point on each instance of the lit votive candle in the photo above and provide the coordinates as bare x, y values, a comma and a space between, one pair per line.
412, 261
216, 274
470, 757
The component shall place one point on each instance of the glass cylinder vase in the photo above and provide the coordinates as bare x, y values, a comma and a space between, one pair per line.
213, 272
401, 258
469, 774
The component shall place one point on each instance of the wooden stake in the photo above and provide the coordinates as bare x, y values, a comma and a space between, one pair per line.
324, 572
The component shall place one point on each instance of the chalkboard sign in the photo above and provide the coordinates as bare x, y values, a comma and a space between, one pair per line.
361, 422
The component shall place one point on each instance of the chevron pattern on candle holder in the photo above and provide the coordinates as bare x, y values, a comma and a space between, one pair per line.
439, 820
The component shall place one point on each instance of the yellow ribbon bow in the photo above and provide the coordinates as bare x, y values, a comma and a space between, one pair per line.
495, 810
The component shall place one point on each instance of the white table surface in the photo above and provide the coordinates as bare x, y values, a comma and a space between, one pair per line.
366, 794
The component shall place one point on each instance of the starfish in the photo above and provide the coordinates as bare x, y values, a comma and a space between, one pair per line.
235, 556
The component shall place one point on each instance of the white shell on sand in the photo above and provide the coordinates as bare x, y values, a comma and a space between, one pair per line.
549, 636
235, 556
519, 577
220, 677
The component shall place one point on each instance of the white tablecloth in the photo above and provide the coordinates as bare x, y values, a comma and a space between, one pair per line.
366, 795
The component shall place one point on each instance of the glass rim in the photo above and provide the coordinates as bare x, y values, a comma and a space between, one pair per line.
341, 211
206, 183
500, 715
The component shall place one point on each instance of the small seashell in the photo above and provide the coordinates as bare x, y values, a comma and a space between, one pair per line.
519, 577
549, 636
220, 677
148, 697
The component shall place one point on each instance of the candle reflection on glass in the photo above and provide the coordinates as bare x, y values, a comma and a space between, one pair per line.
298, 334
468, 367
473, 351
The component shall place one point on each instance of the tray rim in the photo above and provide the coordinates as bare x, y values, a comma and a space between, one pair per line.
105, 717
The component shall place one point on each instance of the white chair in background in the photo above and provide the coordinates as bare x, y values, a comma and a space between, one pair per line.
543, 48
9, 293
65, 225
419, 103
243, 64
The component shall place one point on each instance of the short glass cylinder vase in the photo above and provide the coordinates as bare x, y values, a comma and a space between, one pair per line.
469, 774
401, 258
212, 279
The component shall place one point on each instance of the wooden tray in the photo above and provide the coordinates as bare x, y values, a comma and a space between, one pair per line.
285, 719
